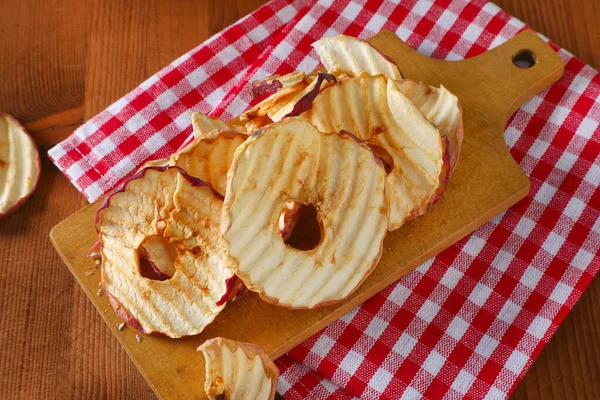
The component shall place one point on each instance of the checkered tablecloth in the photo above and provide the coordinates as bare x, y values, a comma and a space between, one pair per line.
467, 323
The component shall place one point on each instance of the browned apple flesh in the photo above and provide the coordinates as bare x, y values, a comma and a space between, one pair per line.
336, 173
170, 206
351, 56
19, 165
442, 108
376, 111
239, 371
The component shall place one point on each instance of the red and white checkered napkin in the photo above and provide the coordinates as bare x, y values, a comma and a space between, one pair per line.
467, 323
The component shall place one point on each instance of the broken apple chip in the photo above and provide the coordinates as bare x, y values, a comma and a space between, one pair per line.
275, 83
207, 157
239, 371
156, 209
19, 165
291, 163
286, 101
376, 111
351, 56
204, 124
442, 108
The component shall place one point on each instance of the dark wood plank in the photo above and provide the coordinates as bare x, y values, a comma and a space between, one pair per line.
43, 46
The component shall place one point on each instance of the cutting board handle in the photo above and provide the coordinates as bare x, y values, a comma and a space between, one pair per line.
492, 83
515, 71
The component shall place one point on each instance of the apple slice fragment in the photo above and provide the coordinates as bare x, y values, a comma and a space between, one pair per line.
442, 108
348, 55
293, 90
274, 83
204, 124
166, 204
20, 166
376, 111
207, 157
337, 174
237, 370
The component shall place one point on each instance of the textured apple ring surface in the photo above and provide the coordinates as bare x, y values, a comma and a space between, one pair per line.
164, 202
291, 162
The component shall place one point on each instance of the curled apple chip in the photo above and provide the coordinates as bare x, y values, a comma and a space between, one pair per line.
167, 206
291, 163
19, 165
293, 91
274, 83
376, 111
204, 124
207, 157
239, 371
351, 56
442, 108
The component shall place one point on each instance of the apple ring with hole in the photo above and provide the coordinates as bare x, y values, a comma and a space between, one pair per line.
237, 370
278, 171
411, 147
20, 166
164, 204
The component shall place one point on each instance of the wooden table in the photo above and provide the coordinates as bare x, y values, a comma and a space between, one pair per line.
72, 59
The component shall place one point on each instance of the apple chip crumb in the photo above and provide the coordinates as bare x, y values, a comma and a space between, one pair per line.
121, 326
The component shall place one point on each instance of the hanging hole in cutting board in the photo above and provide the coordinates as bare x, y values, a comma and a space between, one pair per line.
524, 59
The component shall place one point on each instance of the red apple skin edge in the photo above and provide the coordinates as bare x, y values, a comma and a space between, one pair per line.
231, 283
23, 199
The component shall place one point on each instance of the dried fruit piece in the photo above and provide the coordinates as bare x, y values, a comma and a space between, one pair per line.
207, 157
348, 55
168, 204
274, 83
376, 111
308, 95
339, 175
19, 165
204, 124
286, 101
442, 108
240, 371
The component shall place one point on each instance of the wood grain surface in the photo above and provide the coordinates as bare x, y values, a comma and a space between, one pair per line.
55, 345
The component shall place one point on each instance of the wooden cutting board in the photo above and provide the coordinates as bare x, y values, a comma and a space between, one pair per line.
486, 182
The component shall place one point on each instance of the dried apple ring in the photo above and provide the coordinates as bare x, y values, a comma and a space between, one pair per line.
291, 163
167, 203
442, 108
376, 111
